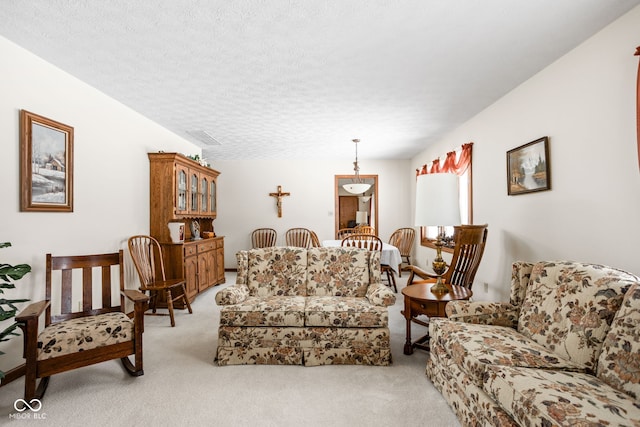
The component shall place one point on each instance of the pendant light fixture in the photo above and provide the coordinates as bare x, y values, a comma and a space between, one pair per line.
358, 186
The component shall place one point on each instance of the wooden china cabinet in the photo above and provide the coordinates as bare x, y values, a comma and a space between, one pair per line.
182, 190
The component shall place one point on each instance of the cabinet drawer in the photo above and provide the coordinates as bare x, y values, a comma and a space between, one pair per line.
189, 250
431, 309
206, 246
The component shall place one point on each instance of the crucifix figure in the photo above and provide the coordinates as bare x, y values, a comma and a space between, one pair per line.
279, 195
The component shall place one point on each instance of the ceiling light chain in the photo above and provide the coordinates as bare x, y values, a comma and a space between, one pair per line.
358, 186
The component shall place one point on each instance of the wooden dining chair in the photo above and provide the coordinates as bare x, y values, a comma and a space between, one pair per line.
344, 232
300, 237
263, 238
147, 257
372, 243
403, 239
364, 229
315, 242
470, 241
97, 331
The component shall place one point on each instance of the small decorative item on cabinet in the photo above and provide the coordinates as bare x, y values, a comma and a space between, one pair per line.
208, 234
195, 230
176, 230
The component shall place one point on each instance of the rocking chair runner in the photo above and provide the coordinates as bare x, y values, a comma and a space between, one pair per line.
92, 335
147, 254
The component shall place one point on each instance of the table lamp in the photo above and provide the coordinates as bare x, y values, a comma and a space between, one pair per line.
437, 204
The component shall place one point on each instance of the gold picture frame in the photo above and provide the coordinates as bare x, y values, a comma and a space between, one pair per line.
46, 164
528, 168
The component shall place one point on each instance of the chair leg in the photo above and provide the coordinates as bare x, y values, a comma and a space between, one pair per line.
392, 279
185, 299
170, 307
153, 300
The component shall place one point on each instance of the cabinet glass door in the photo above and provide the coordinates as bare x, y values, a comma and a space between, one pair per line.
194, 193
204, 193
212, 196
181, 202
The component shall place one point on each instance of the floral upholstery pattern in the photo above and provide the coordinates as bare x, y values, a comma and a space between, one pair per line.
232, 295
344, 312
536, 397
533, 361
379, 294
84, 333
619, 362
475, 347
277, 271
343, 272
482, 312
267, 311
306, 307
569, 307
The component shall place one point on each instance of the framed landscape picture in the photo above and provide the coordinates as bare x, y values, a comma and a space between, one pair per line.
528, 168
46, 164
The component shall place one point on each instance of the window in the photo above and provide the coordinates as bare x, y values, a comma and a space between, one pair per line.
458, 161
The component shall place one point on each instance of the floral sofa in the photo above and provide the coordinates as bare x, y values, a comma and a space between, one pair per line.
564, 351
305, 307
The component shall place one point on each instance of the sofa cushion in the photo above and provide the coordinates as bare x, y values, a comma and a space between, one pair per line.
344, 312
619, 362
474, 347
280, 271
84, 333
537, 397
337, 272
264, 311
569, 306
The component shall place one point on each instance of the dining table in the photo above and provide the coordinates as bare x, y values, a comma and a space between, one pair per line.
390, 254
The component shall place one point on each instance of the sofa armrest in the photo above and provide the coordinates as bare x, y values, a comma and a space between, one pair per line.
380, 294
483, 312
232, 295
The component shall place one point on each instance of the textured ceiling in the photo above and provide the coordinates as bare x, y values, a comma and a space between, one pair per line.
285, 79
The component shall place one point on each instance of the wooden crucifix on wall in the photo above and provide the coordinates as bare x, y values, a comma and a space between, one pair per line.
279, 195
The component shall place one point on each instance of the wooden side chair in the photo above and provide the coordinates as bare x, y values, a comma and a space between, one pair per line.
403, 239
470, 241
98, 331
344, 232
147, 257
372, 243
300, 237
364, 229
263, 238
315, 242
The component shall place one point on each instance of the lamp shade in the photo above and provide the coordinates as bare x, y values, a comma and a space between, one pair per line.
356, 188
437, 200
361, 217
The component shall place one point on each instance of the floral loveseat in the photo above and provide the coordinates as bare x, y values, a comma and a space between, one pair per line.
564, 351
305, 307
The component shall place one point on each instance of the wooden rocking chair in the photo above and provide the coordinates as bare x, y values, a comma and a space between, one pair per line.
94, 334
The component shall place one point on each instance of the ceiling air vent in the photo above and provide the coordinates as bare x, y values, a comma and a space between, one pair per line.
204, 137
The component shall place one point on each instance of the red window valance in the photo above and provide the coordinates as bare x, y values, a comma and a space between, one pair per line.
450, 164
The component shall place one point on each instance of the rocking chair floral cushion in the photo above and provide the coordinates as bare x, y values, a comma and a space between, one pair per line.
84, 333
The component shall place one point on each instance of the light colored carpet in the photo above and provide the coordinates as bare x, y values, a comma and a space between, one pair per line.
183, 386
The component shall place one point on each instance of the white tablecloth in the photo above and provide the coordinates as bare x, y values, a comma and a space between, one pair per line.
390, 254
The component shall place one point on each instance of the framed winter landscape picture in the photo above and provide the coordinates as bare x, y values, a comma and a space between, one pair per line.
46, 164
528, 168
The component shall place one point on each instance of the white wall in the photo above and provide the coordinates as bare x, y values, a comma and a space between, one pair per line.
585, 103
245, 204
111, 172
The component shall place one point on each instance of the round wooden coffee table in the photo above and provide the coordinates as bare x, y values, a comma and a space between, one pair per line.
419, 300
